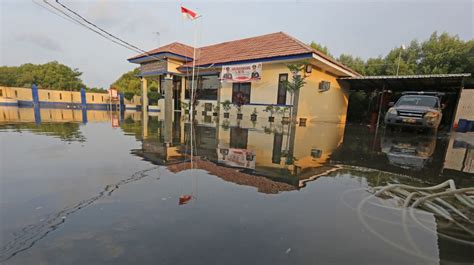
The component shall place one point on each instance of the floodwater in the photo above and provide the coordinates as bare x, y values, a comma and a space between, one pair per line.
119, 189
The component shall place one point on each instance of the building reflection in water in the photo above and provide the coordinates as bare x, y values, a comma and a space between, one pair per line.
253, 149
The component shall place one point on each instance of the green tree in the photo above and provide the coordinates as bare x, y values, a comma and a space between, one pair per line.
355, 63
443, 54
321, 48
130, 83
52, 75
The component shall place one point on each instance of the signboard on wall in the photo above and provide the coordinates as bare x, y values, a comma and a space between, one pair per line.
241, 72
235, 157
113, 93
154, 66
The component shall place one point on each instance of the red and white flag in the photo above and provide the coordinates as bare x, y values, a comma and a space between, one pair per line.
187, 13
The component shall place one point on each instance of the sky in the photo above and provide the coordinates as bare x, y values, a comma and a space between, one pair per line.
31, 34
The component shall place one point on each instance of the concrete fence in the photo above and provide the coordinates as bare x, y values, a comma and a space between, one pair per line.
46, 98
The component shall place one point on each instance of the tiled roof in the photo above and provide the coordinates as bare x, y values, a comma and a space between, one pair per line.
260, 47
175, 47
265, 46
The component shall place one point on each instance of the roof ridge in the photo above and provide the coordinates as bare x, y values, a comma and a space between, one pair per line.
302, 44
254, 37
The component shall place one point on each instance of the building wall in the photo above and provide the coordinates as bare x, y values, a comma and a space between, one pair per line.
316, 106
173, 65
327, 106
466, 106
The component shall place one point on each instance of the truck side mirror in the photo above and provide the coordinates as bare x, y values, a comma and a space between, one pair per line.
391, 104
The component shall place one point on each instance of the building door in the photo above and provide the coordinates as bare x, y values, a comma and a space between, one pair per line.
177, 94
281, 97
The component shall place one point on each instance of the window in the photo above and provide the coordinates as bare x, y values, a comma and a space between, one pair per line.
102, 98
72, 97
206, 87
1, 93
242, 88
60, 96
49, 95
281, 96
16, 93
92, 97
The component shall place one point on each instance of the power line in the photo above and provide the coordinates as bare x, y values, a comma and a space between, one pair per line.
74, 20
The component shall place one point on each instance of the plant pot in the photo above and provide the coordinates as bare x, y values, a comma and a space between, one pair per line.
240, 116
285, 120
215, 114
226, 115
271, 119
253, 117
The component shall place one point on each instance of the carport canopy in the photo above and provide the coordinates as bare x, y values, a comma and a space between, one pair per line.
438, 82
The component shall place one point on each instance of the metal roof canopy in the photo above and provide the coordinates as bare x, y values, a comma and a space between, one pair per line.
443, 82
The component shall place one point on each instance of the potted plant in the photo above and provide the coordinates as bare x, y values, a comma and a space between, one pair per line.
276, 110
253, 116
239, 102
226, 105
270, 109
185, 106
216, 111
284, 118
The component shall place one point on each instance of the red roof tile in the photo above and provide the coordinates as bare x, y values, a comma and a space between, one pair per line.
260, 47
175, 47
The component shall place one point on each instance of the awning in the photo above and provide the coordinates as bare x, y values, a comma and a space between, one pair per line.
439, 82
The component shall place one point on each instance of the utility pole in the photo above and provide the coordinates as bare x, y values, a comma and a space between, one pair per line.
399, 57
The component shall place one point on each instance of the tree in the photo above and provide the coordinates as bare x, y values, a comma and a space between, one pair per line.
440, 54
52, 75
355, 63
321, 48
130, 83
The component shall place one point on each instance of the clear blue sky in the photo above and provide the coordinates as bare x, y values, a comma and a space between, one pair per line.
361, 28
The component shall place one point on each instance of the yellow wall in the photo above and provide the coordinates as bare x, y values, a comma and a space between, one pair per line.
14, 114
328, 106
18, 93
54, 95
173, 65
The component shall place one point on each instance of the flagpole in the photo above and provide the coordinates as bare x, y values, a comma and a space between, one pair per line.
192, 90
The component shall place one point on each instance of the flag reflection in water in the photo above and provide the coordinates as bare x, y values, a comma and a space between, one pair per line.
184, 199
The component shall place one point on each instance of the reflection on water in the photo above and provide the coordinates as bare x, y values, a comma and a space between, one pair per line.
190, 212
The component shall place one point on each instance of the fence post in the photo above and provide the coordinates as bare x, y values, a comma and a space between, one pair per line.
36, 106
34, 94
84, 105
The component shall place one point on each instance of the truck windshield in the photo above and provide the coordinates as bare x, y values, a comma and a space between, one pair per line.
418, 101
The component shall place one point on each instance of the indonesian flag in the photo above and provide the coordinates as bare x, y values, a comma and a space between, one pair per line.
187, 13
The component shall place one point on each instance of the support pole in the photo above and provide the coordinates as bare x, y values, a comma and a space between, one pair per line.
144, 108
168, 86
